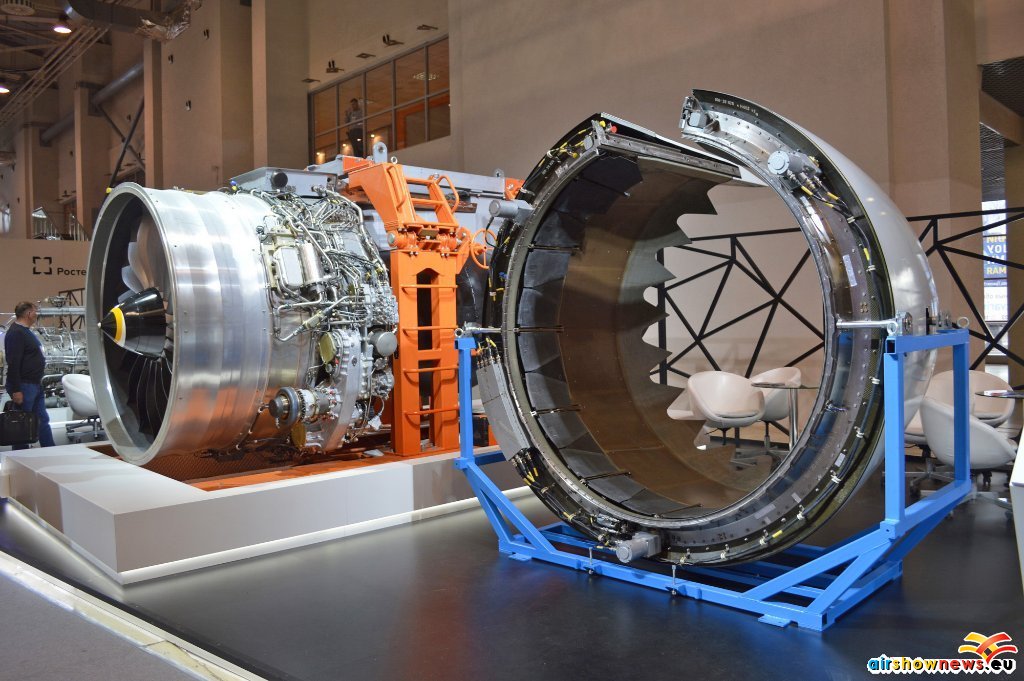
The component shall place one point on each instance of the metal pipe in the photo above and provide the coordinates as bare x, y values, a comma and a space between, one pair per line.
162, 26
118, 84
61, 311
102, 95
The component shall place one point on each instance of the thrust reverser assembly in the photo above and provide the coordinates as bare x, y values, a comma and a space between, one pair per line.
566, 382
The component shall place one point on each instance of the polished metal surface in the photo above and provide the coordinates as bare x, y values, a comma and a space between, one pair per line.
237, 330
568, 282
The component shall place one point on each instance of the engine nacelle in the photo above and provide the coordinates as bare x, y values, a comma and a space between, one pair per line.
566, 375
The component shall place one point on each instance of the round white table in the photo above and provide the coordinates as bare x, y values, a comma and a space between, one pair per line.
794, 411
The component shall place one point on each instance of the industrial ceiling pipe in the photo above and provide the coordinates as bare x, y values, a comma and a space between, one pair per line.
162, 26
102, 95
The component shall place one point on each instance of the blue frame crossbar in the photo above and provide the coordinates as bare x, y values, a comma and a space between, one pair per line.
832, 579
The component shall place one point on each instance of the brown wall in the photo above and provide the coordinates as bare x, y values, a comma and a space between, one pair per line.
26, 274
890, 83
279, 96
206, 96
998, 26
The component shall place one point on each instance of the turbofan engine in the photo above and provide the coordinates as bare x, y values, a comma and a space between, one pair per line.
257, 316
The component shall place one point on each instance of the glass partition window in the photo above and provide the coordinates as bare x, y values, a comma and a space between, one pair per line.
994, 245
402, 102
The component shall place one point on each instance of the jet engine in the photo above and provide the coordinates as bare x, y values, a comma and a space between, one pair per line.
258, 316
565, 373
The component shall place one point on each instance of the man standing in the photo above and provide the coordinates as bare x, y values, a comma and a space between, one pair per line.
25, 365
355, 132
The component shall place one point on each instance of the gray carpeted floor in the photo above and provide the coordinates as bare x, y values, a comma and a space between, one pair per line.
40, 641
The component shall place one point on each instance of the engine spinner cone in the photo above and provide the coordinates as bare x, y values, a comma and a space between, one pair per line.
138, 324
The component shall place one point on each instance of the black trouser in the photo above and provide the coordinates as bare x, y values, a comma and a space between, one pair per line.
355, 138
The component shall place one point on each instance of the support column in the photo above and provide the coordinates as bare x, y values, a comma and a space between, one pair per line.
42, 187
280, 118
1014, 160
35, 179
935, 155
152, 117
35, 165
92, 140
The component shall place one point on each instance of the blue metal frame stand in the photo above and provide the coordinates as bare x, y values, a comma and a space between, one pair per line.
833, 579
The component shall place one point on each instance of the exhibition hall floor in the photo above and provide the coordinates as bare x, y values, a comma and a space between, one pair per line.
435, 600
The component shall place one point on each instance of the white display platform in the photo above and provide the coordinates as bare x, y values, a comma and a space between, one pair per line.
1017, 500
134, 524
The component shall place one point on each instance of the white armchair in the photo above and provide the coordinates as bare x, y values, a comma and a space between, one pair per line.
725, 400
940, 389
989, 449
82, 400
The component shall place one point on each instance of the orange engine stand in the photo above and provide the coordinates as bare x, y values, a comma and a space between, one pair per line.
430, 248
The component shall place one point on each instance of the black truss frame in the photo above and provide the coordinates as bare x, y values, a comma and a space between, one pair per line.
738, 260
934, 245
74, 297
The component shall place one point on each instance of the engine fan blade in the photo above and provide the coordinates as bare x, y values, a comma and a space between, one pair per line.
135, 388
154, 401
129, 276
151, 253
139, 268
165, 383
134, 376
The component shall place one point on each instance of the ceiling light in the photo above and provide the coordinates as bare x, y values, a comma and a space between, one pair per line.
426, 27
365, 55
4, 89
18, 8
62, 25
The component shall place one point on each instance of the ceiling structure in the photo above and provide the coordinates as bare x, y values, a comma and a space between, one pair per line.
1004, 82
33, 55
